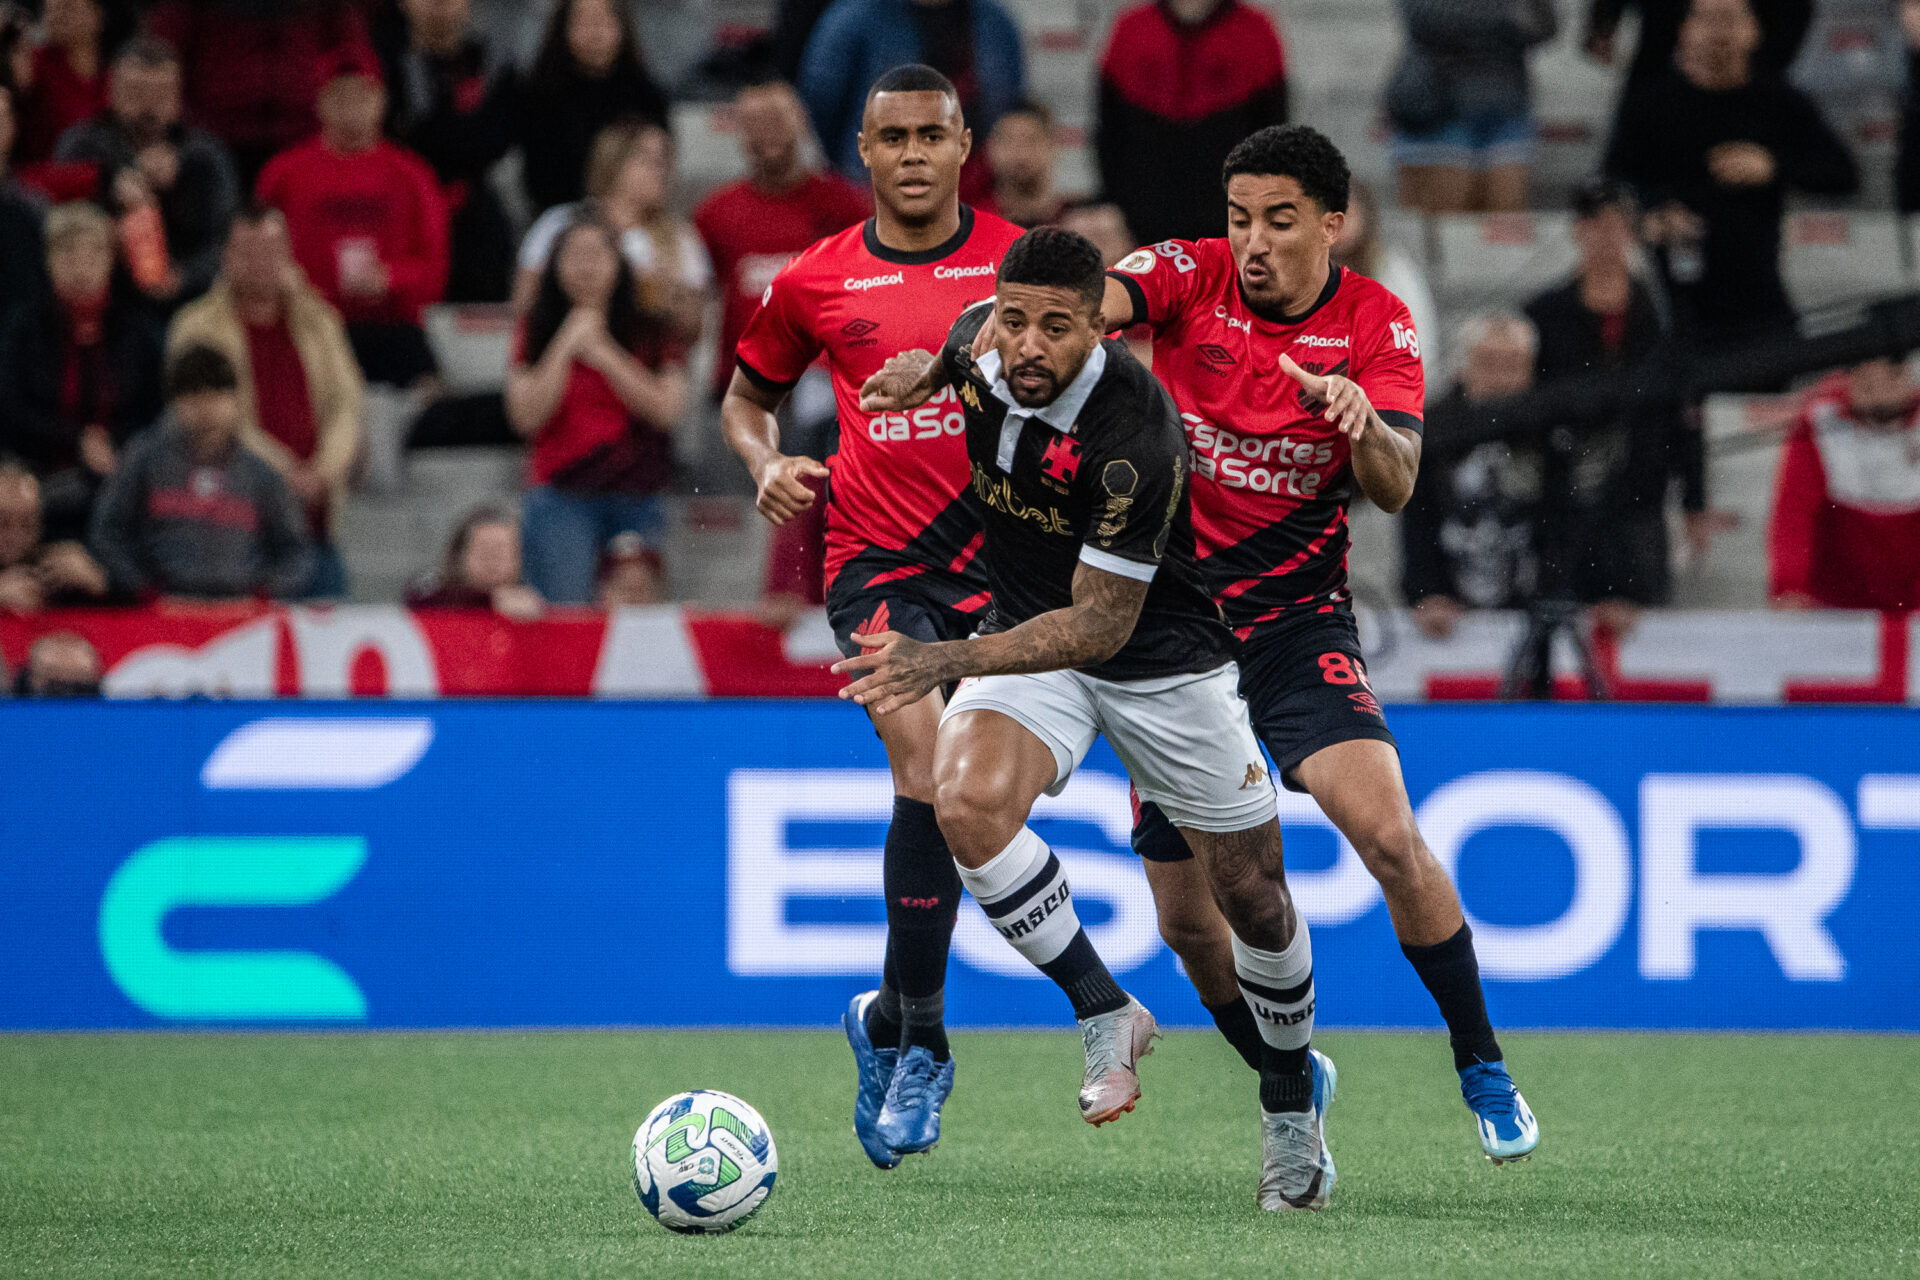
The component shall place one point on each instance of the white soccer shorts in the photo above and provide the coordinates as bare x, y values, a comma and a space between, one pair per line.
1185, 740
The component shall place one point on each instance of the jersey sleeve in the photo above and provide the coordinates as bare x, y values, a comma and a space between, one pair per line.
1160, 279
1393, 377
956, 354
779, 341
1136, 489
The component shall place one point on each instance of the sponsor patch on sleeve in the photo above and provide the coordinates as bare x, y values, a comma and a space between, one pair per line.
1138, 263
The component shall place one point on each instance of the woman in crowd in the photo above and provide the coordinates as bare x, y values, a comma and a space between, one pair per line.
629, 182
481, 570
589, 73
597, 386
1363, 247
79, 371
1460, 103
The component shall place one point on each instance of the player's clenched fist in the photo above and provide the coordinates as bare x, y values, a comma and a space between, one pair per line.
1341, 401
784, 491
901, 671
903, 382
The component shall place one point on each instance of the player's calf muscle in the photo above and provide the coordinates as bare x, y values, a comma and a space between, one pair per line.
1248, 882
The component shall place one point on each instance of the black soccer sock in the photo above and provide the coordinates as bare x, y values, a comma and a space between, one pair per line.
1236, 1023
883, 1015
1278, 989
1452, 974
923, 1019
923, 899
1024, 892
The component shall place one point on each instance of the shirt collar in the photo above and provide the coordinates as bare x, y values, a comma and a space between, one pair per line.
1062, 414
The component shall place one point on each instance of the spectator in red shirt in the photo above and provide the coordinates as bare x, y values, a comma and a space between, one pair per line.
1181, 82
368, 226
1022, 151
35, 573
1846, 511
481, 570
254, 68
452, 102
754, 226
597, 386
79, 370
68, 78
301, 395
588, 74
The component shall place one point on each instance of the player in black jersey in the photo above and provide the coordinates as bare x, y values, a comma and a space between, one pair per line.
1099, 625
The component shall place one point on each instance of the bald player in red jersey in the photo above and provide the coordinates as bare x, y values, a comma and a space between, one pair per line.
902, 528
1298, 382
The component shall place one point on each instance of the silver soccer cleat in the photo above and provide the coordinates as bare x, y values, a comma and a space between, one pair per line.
1115, 1042
1296, 1169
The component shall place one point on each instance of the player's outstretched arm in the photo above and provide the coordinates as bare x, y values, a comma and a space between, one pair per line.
1386, 459
901, 670
747, 421
905, 381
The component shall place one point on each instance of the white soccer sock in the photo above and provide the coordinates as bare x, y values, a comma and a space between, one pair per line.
1278, 986
1024, 892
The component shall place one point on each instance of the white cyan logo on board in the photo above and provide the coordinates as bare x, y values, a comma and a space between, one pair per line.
1678, 898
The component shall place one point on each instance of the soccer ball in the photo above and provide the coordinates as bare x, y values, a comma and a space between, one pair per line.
703, 1162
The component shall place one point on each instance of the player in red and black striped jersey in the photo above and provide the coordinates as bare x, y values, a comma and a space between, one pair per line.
902, 530
1300, 382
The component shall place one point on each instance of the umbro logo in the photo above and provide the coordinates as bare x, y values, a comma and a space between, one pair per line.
859, 328
1218, 358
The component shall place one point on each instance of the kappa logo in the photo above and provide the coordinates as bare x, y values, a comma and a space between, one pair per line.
1061, 460
1256, 775
1218, 359
970, 396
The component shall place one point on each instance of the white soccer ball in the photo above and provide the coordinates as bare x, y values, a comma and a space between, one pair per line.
703, 1162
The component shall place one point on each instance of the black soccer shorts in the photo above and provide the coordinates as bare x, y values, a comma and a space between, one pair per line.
928, 606
1306, 688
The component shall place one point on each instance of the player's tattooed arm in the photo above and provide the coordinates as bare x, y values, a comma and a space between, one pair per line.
1386, 459
899, 670
905, 381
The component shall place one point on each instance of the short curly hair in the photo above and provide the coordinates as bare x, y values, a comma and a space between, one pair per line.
1295, 151
1056, 258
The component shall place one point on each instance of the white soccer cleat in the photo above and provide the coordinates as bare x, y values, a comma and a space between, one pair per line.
1296, 1169
1115, 1042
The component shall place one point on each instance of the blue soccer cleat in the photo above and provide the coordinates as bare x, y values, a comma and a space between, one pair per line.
875, 1068
910, 1120
1508, 1130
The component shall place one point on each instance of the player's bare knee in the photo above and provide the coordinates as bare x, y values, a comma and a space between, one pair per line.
1392, 850
977, 815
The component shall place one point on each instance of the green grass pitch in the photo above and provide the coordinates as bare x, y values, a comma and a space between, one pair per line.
505, 1155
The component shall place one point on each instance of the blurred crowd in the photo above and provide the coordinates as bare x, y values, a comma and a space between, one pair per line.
225, 223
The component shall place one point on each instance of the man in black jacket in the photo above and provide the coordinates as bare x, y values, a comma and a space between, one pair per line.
147, 156
23, 254
1604, 532
1713, 148
190, 511
451, 100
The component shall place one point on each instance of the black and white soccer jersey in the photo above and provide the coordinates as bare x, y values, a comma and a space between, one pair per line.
1097, 477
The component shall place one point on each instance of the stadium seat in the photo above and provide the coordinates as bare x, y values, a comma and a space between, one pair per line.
1833, 257
472, 343
1499, 259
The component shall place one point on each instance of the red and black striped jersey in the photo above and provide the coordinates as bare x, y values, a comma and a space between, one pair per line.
1271, 478
897, 500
